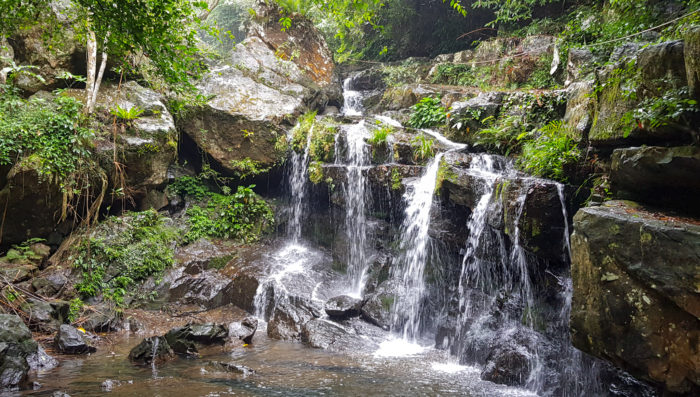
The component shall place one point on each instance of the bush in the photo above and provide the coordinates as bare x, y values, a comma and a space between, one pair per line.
547, 155
422, 147
49, 133
242, 215
429, 112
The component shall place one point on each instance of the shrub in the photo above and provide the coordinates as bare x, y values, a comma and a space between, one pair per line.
429, 112
422, 147
547, 155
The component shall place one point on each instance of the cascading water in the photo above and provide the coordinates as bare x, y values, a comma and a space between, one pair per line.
352, 100
414, 246
297, 184
355, 189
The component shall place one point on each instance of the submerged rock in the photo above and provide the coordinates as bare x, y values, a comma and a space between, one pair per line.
635, 298
231, 368
343, 306
71, 341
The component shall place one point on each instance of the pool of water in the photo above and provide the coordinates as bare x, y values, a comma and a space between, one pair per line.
281, 369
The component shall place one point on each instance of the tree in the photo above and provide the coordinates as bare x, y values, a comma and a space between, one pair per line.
163, 30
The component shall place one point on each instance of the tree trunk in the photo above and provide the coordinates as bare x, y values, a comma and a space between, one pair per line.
91, 68
98, 81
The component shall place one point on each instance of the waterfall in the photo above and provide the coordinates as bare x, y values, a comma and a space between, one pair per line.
355, 189
352, 100
414, 248
297, 184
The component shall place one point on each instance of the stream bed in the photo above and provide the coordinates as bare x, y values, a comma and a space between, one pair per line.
281, 369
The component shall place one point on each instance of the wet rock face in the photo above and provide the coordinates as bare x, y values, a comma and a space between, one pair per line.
343, 307
19, 353
658, 175
244, 330
71, 341
154, 349
289, 317
635, 301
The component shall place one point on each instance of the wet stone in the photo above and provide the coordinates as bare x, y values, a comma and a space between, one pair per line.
218, 366
343, 307
243, 330
154, 349
71, 341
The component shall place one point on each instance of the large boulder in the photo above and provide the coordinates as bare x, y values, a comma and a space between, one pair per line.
657, 68
151, 350
267, 81
289, 316
658, 175
635, 300
343, 306
19, 353
692, 60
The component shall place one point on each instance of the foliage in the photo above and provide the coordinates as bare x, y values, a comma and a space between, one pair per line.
540, 77
510, 11
380, 135
422, 147
403, 73
315, 172
242, 215
503, 136
673, 107
112, 263
19, 14
395, 179
75, 308
189, 186
248, 167
428, 112
125, 114
549, 154
23, 252
48, 134
166, 30
301, 130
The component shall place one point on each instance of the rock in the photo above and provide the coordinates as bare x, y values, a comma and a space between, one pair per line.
19, 354
16, 344
579, 66
53, 56
232, 368
101, 318
183, 339
45, 316
692, 60
635, 299
303, 44
658, 175
259, 92
206, 289
60, 394
110, 384
366, 80
244, 330
466, 117
407, 95
507, 365
463, 56
34, 202
148, 144
69, 340
349, 336
155, 348
377, 307
18, 272
50, 282
659, 68
580, 106
289, 317
202, 255
343, 306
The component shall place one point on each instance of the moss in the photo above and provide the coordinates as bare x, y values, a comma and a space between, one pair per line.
220, 262
387, 302
444, 173
396, 183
